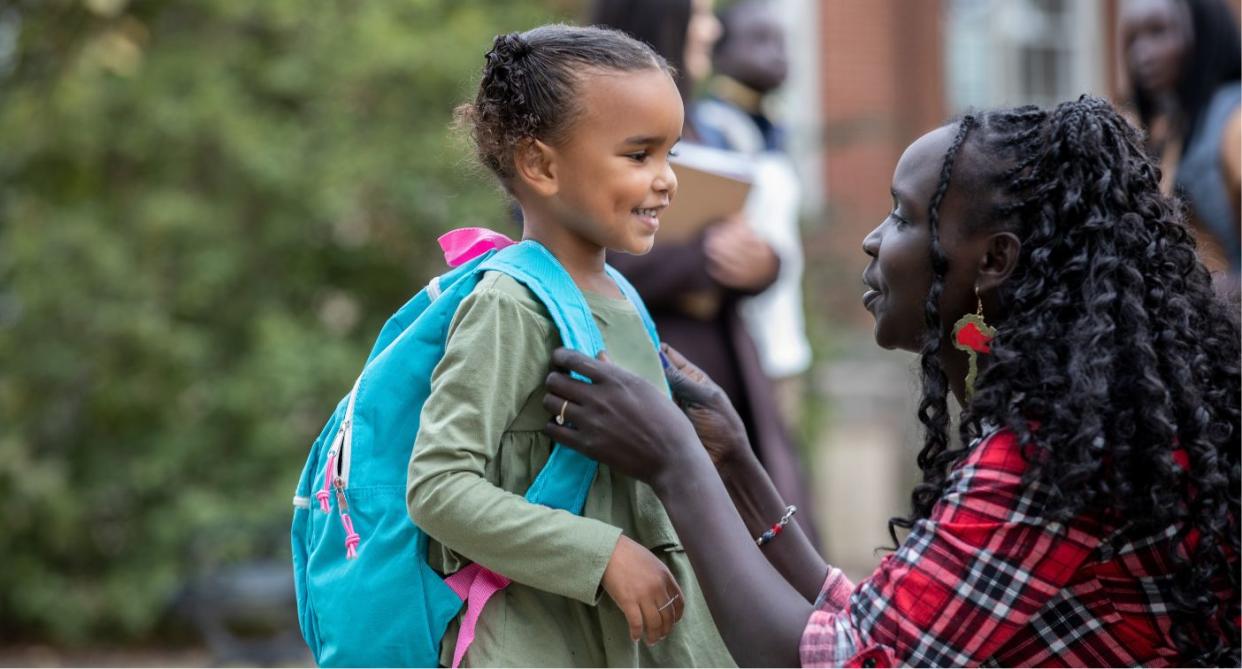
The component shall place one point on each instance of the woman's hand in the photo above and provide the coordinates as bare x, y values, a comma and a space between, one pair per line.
644, 590
619, 419
715, 420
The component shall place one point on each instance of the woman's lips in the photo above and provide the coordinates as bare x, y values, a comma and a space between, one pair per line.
869, 298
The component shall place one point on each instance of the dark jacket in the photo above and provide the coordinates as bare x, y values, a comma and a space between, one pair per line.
699, 318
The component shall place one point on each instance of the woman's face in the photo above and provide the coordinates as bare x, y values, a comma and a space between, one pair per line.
899, 275
701, 34
1155, 35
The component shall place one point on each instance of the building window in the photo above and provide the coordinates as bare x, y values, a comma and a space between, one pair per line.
1012, 52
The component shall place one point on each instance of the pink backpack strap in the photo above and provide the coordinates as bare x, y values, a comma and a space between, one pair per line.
464, 244
475, 584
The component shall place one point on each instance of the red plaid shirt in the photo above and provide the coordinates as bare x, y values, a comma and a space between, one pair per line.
986, 581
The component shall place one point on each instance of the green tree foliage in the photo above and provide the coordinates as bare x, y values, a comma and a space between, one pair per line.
207, 209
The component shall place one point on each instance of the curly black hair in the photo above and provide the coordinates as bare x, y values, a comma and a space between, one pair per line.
529, 82
1112, 351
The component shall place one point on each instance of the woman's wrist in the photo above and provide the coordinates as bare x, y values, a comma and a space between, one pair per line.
740, 465
682, 474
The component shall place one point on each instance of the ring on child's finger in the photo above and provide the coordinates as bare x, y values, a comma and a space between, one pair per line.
560, 417
669, 602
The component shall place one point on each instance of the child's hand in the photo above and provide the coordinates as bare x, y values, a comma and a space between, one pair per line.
644, 590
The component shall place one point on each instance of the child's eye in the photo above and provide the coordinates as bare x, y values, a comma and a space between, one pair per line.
674, 152
640, 156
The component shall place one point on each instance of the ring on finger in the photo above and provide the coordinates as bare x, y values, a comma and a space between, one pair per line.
669, 602
560, 417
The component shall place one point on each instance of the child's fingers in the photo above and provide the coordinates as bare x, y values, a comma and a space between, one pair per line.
674, 591
634, 617
653, 620
679, 604
667, 617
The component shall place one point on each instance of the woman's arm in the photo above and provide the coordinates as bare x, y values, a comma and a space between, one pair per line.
984, 567
755, 497
760, 615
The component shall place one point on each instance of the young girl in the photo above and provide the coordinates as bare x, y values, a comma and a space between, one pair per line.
696, 289
578, 124
1087, 515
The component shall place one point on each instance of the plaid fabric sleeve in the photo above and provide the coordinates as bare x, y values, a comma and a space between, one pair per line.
963, 583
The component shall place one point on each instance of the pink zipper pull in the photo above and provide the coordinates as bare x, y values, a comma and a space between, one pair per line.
351, 537
323, 494
329, 470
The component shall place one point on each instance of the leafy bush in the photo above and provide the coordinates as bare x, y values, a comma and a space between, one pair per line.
207, 209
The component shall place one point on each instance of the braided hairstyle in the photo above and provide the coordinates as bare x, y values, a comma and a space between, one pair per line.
529, 81
1110, 339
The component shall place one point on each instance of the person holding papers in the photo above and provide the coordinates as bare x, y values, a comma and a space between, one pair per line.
695, 286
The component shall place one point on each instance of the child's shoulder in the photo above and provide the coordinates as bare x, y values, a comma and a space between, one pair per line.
501, 289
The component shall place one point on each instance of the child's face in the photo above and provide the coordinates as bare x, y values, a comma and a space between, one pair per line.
614, 178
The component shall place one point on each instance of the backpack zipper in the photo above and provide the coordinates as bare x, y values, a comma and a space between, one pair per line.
336, 475
342, 506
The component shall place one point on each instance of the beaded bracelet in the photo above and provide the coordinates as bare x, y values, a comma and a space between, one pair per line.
770, 533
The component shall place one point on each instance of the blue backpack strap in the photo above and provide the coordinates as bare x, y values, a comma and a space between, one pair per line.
411, 310
566, 479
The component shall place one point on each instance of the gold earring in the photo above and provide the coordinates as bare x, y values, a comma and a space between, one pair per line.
973, 335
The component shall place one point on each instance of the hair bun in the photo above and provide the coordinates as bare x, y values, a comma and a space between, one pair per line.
511, 45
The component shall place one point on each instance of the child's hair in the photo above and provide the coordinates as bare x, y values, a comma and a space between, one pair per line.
1110, 338
529, 83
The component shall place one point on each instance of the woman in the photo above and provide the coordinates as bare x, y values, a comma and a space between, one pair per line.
1181, 58
1090, 518
695, 289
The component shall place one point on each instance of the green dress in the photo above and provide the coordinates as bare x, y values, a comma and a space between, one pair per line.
480, 447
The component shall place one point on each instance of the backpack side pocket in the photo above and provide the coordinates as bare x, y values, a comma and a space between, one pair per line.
386, 606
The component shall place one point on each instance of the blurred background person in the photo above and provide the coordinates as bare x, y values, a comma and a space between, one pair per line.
1182, 61
749, 63
695, 290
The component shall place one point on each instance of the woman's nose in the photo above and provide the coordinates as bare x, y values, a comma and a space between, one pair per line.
871, 243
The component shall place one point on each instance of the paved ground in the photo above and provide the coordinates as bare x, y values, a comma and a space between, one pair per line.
46, 656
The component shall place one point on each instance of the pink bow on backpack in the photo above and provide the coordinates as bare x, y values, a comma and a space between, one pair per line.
465, 244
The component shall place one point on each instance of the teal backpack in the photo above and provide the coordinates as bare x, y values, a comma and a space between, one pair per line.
365, 593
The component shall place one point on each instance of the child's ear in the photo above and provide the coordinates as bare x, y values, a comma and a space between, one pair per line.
535, 165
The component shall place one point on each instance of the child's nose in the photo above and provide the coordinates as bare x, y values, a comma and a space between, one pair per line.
666, 181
